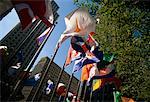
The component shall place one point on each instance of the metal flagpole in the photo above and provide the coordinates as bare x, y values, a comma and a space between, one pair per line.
58, 80
91, 85
77, 90
31, 64
68, 87
44, 74
22, 43
85, 91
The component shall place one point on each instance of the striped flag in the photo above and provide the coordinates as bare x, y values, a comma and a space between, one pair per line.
82, 61
72, 55
41, 38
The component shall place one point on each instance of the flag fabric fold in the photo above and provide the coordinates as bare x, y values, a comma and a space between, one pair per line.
78, 23
72, 55
41, 38
29, 9
88, 59
25, 13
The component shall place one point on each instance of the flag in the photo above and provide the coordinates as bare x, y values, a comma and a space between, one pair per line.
72, 55
85, 72
90, 58
78, 65
28, 9
41, 38
84, 44
80, 62
91, 41
42, 9
117, 96
125, 99
112, 79
96, 84
61, 89
109, 68
79, 44
24, 12
78, 23
108, 57
49, 86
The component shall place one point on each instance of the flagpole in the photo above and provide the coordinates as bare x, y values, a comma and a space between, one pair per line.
44, 74
77, 90
22, 43
85, 91
31, 64
68, 87
58, 80
91, 85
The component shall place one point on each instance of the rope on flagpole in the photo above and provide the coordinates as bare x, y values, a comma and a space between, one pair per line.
31, 64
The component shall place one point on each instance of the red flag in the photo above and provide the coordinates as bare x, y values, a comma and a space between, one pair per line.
28, 9
25, 13
42, 9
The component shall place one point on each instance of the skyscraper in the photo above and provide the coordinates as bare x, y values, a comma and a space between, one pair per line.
52, 75
16, 37
23, 42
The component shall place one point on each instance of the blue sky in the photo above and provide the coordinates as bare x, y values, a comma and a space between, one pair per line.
66, 6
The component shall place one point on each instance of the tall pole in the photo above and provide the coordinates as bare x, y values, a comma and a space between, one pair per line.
91, 91
68, 87
44, 74
58, 80
77, 90
22, 43
17, 86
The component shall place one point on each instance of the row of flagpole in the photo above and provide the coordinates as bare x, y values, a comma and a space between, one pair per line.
22, 43
39, 86
17, 86
14, 92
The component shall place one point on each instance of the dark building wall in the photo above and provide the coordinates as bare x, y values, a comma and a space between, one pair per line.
5, 7
14, 39
53, 74
16, 36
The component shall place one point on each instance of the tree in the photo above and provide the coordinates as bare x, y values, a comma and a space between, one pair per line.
124, 30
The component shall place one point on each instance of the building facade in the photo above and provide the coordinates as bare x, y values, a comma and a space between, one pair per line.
16, 37
26, 43
53, 73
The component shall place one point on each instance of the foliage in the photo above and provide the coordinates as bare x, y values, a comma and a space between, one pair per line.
92, 6
124, 30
